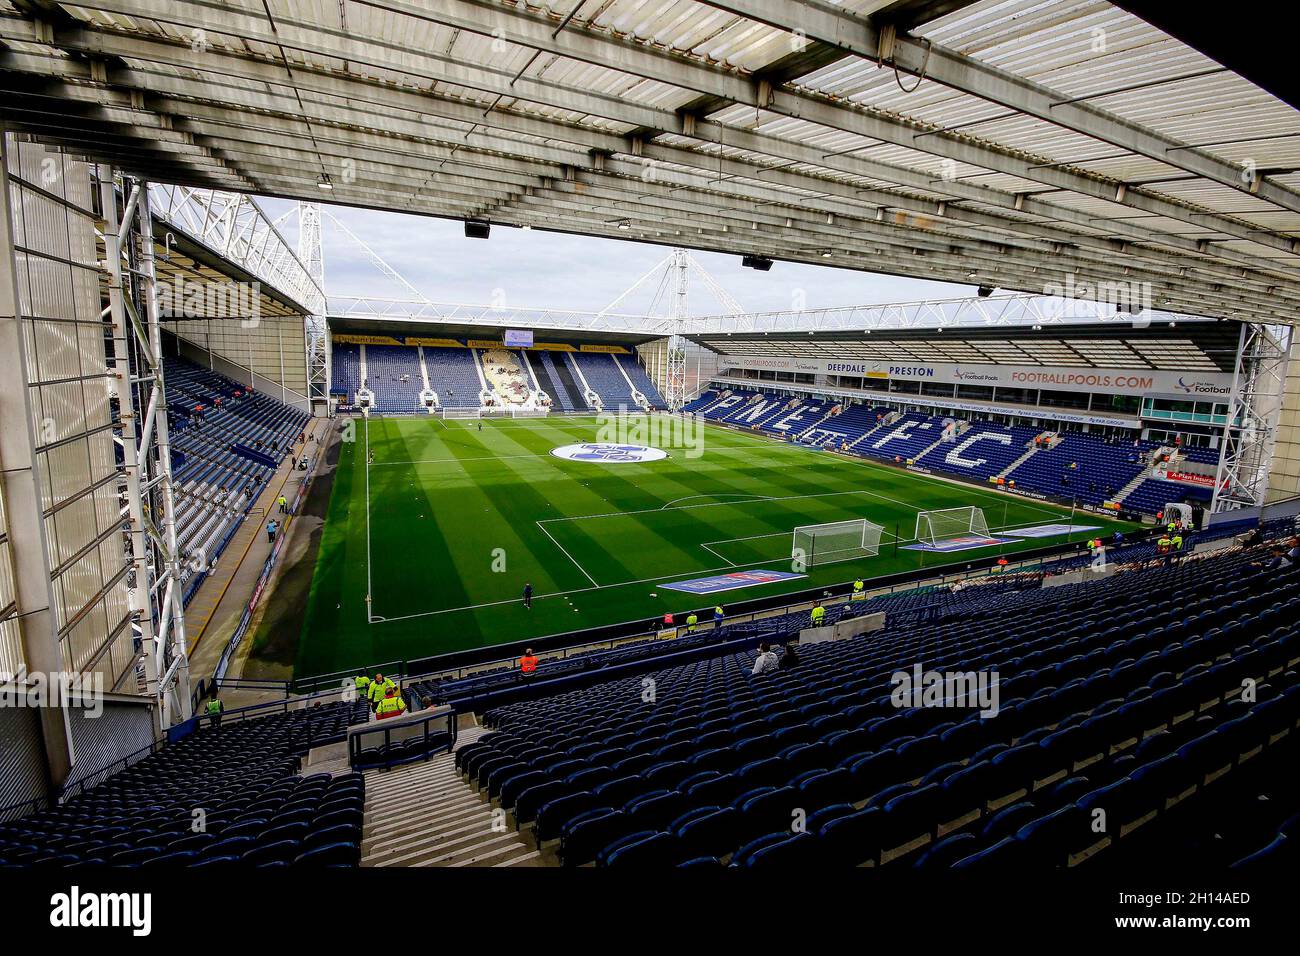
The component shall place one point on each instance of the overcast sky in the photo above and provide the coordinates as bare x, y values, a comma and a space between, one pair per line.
528, 268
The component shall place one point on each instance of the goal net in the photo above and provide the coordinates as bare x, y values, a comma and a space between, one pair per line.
933, 527
816, 544
493, 411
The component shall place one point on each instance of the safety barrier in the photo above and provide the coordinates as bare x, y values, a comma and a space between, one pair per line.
398, 740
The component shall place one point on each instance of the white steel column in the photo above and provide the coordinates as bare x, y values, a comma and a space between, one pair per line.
174, 668
1249, 434
143, 563
312, 256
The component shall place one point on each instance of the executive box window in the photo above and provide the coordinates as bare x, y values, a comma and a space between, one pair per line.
1055, 399
977, 393
904, 387
1017, 396
936, 389
1119, 404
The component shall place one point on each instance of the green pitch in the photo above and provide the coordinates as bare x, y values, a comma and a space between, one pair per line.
426, 548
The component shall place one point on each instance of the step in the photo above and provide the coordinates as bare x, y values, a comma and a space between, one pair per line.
427, 815
1029, 453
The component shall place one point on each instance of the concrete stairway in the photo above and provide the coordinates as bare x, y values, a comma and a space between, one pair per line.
425, 814
1147, 471
830, 412
1132, 486
884, 423
1030, 452
721, 395
931, 447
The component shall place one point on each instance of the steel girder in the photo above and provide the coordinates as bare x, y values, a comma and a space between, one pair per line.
158, 592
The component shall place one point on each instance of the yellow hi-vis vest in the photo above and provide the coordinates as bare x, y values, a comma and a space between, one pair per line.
363, 684
375, 692
857, 586
1178, 542
391, 705
214, 706
818, 613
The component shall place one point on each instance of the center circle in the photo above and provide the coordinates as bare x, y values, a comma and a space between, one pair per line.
610, 452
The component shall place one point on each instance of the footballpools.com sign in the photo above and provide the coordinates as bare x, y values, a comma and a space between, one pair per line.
609, 452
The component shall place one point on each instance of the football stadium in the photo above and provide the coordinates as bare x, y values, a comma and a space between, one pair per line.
970, 547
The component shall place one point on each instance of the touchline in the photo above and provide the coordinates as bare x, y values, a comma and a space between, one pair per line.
76, 909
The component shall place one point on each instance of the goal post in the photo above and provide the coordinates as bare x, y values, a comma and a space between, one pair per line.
492, 411
933, 527
815, 544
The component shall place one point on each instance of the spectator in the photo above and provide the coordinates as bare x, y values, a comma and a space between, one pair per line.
271, 528
717, 615
1277, 560
528, 663
766, 660
789, 660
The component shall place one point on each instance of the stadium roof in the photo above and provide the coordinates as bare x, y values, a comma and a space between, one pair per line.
1018, 144
180, 260
1182, 346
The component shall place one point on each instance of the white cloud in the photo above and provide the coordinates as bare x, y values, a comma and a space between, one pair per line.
548, 270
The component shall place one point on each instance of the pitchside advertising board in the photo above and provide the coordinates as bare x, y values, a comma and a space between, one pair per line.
1152, 382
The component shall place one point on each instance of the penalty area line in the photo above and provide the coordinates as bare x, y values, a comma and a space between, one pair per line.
567, 555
